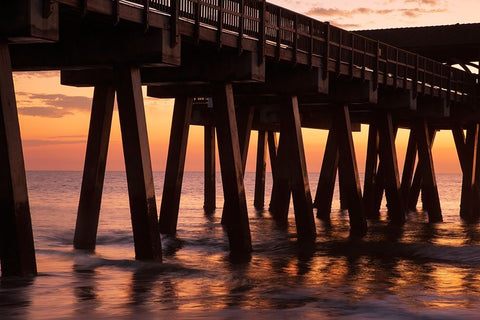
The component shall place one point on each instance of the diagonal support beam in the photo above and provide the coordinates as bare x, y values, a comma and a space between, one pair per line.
429, 183
235, 210
388, 156
94, 168
17, 251
302, 199
136, 151
326, 181
209, 191
259, 199
370, 181
348, 172
177, 150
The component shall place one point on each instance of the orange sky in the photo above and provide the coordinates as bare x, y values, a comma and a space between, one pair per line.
54, 119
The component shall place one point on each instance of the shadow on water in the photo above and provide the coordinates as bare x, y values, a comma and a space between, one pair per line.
15, 296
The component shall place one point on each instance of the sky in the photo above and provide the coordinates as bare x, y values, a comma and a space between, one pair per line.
54, 119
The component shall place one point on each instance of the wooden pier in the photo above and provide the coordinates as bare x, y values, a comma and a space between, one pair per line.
234, 66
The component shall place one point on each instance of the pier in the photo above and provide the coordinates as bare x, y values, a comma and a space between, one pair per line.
234, 66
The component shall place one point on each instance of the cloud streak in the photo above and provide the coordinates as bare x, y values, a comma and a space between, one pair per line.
340, 13
49, 142
51, 105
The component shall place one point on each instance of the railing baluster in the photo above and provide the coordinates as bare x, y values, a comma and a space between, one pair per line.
279, 33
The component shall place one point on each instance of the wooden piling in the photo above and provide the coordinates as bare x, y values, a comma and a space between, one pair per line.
94, 168
326, 181
388, 156
370, 180
172, 186
272, 154
469, 172
348, 172
244, 120
429, 183
259, 198
417, 182
138, 166
409, 166
210, 195
302, 198
17, 251
281, 190
236, 215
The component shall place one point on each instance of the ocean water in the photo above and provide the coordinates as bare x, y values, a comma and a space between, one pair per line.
418, 271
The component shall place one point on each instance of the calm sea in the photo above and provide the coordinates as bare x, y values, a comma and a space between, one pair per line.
422, 271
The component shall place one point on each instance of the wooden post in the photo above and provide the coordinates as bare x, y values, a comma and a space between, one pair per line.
259, 200
298, 175
281, 191
459, 138
469, 172
371, 163
136, 151
272, 154
409, 166
17, 251
348, 172
429, 184
244, 123
244, 118
94, 168
417, 182
177, 150
326, 181
388, 156
209, 203
236, 214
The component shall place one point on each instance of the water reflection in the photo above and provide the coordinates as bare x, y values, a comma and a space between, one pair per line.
15, 296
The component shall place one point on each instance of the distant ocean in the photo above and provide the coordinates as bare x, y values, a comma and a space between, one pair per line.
420, 271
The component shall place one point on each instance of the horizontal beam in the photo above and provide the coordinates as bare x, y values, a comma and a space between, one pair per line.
95, 48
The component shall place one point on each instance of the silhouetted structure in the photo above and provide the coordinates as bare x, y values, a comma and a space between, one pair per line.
236, 66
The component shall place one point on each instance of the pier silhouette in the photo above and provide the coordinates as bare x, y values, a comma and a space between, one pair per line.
234, 66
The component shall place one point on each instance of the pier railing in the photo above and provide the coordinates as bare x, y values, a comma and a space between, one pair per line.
326, 46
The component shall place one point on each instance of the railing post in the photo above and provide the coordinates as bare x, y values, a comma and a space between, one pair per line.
295, 38
261, 31
326, 53
48, 6
241, 26
339, 58
84, 8
377, 65
310, 52
415, 79
115, 12
279, 32
174, 14
146, 14
220, 23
